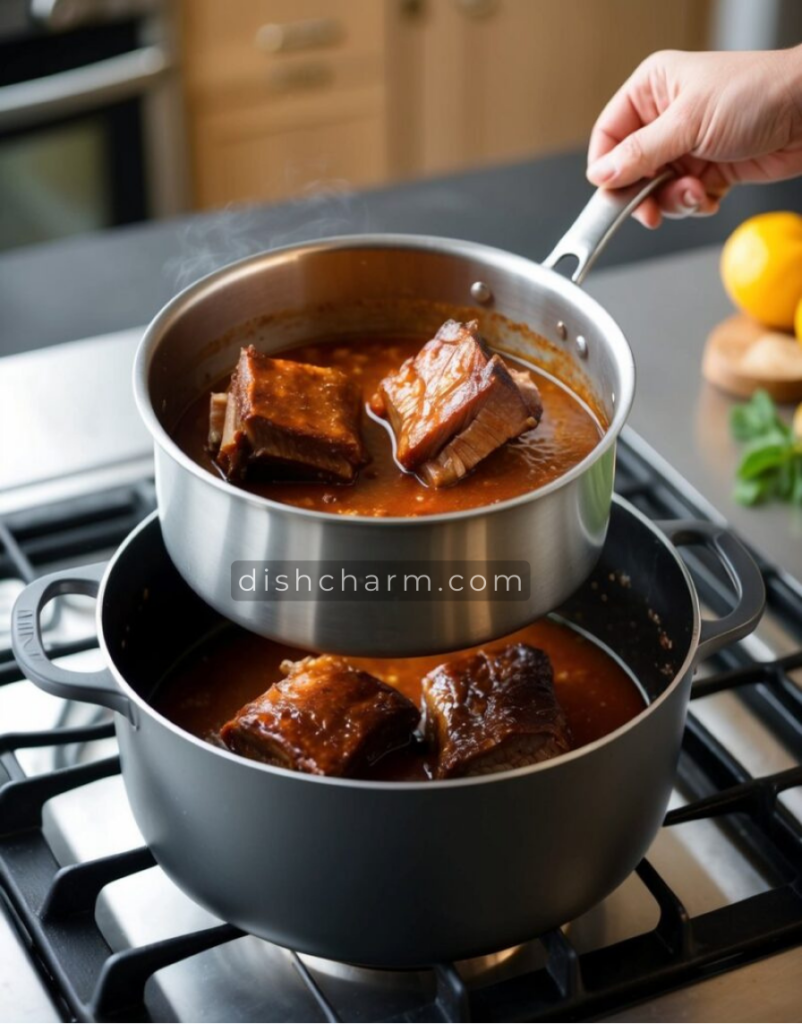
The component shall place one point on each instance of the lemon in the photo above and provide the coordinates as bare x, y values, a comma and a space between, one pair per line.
761, 267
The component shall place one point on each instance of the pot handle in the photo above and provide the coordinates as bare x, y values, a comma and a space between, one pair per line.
26, 641
744, 575
604, 213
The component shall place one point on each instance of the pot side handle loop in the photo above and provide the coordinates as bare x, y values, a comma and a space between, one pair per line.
26, 641
604, 213
743, 573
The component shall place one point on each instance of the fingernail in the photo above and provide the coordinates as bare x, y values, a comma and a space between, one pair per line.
603, 169
690, 202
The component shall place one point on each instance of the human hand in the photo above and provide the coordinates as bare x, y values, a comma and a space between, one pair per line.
716, 119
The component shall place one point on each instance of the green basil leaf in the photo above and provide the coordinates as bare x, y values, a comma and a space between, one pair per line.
763, 405
755, 418
785, 479
762, 457
773, 436
741, 423
771, 464
749, 492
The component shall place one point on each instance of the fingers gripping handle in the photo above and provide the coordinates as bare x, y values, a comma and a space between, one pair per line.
599, 221
26, 640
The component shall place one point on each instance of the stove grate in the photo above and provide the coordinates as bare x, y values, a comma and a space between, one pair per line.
54, 906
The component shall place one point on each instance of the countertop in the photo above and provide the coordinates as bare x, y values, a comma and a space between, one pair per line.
666, 307
79, 288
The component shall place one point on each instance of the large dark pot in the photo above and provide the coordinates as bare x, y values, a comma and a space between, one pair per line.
400, 873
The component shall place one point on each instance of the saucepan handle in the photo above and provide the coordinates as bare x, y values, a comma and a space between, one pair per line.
605, 212
26, 640
743, 573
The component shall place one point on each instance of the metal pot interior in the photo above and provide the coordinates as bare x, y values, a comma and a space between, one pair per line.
638, 602
380, 285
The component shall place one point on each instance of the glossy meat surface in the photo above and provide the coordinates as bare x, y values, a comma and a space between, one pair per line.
454, 403
284, 418
232, 667
489, 712
568, 431
325, 718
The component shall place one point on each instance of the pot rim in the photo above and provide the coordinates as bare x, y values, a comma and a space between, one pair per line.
569, 292
430, 785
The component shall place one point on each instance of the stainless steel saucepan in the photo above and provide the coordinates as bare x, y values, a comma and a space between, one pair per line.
399, 874
389, 284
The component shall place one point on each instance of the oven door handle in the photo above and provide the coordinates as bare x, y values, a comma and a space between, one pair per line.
24, 104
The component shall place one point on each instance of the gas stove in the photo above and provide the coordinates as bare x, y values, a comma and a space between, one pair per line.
709, 927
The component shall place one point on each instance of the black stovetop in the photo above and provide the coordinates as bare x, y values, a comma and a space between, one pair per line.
54, 907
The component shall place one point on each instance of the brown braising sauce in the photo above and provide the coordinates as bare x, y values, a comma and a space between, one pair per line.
567, 433
234, 667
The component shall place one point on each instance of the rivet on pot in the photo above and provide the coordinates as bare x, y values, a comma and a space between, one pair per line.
481, 292
581, 346
562, 330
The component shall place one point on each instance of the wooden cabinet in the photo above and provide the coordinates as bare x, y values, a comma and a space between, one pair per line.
285, 93
482, 81
261, 153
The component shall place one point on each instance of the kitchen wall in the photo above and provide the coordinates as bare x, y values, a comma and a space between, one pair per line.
284, 96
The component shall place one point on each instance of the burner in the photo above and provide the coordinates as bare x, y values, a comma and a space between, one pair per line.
479, 969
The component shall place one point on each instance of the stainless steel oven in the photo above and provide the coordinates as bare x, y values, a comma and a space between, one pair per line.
91, 127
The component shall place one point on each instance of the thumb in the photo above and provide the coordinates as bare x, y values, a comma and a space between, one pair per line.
641, 154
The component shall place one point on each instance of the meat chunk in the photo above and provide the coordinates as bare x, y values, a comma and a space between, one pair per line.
492, 711
454, 403
325, 718
284, 418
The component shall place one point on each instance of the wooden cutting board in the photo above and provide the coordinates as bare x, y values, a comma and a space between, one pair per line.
741, 356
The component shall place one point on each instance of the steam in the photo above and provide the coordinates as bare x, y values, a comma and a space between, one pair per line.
324, 208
